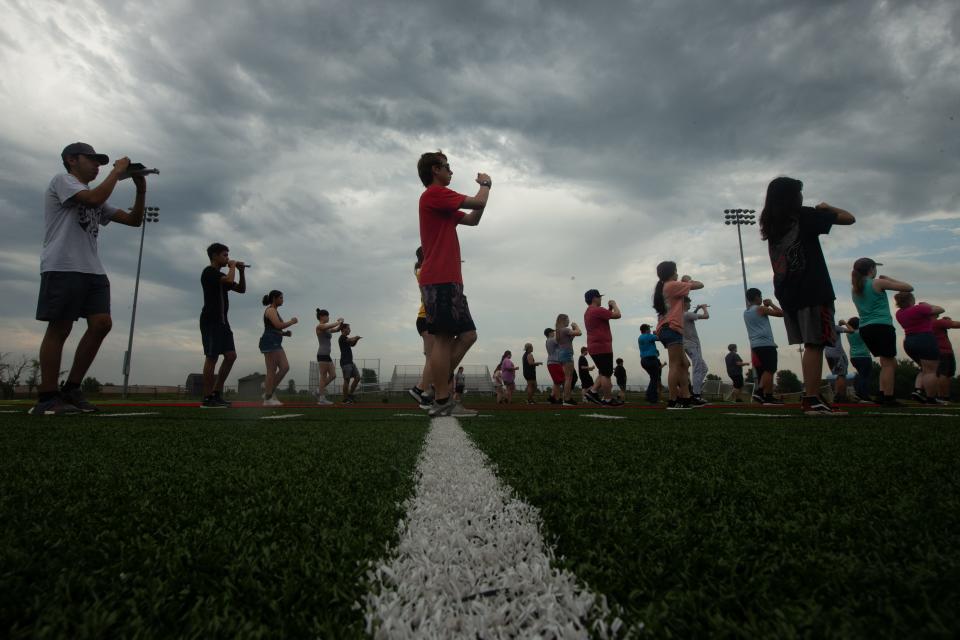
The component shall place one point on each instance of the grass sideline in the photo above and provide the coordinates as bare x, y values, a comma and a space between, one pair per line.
708, 525
187, 525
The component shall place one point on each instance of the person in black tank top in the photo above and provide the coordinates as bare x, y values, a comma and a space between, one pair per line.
271, 346
530, 364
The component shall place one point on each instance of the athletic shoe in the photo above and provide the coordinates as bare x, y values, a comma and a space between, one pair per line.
591, 396
75, 397
678, 405
348, 400
815, 407
531, 402
225, 404
55, 406
770, 401
943, 401
570, 403
865, 401
439, 410
420, 396
272, 402
211, 403
322, 400
460, 411
919, 395
697, 401
756, 398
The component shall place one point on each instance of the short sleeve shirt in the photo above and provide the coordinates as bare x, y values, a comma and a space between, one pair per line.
439, 216
620, 375
215, 301
565, 338
346, 350
551, 346
940, 327
800, 276
596, 320
506, 370
916, 319
71, 228
673, 294
731, 360
648, 345
858, 349
690, 337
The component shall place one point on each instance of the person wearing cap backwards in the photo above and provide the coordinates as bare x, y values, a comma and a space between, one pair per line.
876, 323
441, 282
801, 281
596, 320
73, 283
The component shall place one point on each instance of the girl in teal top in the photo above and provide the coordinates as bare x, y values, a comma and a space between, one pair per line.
876, 323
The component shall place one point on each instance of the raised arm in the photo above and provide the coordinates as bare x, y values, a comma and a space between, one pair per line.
241, 287
770, 309
934, 309
478, 202
99, 194
695, 284
332, 327
843, 217
883, 283
704, 314
614, 310
230, 277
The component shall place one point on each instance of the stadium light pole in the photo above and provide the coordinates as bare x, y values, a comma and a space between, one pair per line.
739, 218
150, 214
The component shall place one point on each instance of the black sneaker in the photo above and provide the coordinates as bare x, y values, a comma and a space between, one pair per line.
612, 402
770, 401
419, 396
348, 400
218, 398
697, 401
76, 398
591, 396
680, 404
919, 395
208, 403
815, 407
55, 406
756, 398
569, 403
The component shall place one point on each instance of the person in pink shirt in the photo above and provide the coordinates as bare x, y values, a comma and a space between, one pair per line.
947, 368
920, 343
596, 320
508, 372
668, 302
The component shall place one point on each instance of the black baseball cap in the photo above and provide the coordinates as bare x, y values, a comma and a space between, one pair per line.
590, 295
83, 149
863, 265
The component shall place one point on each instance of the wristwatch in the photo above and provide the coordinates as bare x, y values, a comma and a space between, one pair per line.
486, 183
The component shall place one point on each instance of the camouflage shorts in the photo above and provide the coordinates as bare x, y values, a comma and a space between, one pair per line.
447, 310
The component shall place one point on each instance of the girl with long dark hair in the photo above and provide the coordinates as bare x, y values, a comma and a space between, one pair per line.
271, 346
668, 298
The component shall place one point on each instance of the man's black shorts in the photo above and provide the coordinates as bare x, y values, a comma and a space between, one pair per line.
447, 310
68, 295
217, 338
767, 356
737, 380
421, 326
604, 362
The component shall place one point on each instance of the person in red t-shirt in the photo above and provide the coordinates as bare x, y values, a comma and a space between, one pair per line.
441, 283
596, 320
947, 368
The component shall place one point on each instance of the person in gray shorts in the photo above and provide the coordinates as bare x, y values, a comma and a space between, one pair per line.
351, 375
73, 283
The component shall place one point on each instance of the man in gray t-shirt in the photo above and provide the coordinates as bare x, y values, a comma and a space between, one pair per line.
73, 283
691, 345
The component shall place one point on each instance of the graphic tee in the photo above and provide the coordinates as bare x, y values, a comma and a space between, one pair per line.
439, 216
71, 228
215, 301
800, 276
596, 320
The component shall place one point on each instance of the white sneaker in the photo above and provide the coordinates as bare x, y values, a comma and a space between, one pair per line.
323, 400
460, 411
272, 402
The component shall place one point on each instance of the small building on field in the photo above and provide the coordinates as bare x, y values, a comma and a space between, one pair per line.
251, 387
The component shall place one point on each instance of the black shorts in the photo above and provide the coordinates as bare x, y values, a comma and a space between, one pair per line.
766, 359
622, 383
737, 379
604, 362
68, 295
459, 388
921, 346
321, 358
447, 310
881, 339
586, 380
217, 338
948, 365
421, 326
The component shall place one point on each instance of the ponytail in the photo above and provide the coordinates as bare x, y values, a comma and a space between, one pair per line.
858, 280
665, 271
270, 297
322, 312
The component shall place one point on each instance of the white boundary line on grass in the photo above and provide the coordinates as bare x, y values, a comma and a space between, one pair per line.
125, 415
762, 415
471, 563
603, 416
282, 416
14, 411
932, 415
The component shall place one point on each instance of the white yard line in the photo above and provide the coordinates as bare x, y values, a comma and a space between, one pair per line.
124, 415
603, 416
762, 415
471, 563
932, 415
282, 416
410, 415
16, 411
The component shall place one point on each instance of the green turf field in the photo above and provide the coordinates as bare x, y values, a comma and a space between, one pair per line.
709, 525
197, 523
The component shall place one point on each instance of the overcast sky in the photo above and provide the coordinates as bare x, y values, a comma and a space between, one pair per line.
615, 133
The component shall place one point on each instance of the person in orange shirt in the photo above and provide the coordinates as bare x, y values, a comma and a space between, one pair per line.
668, 302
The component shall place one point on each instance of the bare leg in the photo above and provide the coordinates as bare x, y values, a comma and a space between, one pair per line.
766, 383
944, 387
674, 374
209, 371
98, 326
461, 345
280, 360
228, 359
440, 360
812, 364
425, 377
928, 371
567, 380
888, 368
268, 383
51, 353
530, 387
